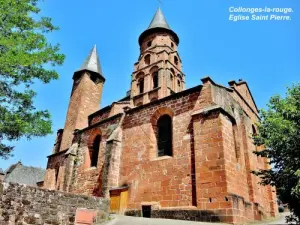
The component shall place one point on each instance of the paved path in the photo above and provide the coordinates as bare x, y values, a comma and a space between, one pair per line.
128, 220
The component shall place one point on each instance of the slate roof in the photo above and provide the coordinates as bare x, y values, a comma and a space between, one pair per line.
18, 173
92, 63
158, 23
159, 20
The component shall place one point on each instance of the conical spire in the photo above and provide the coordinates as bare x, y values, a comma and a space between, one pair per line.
92, 62
159, 20
158, 23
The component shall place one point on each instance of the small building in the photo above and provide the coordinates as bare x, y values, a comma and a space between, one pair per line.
18, 173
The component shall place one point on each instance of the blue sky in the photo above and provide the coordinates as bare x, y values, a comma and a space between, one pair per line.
266, 54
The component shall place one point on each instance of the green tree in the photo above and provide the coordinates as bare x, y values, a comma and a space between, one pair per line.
279, 132
25, 55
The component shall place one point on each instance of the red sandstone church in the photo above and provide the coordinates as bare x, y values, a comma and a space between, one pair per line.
162, 150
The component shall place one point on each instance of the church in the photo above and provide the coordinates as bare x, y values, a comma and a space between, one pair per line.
162, 151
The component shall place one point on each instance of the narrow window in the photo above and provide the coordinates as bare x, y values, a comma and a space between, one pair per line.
141, 85
178, 83
172, 44
164, 135
149, 43
147, 59
172, 71
171, 81
95, 151
155, 79
235, 140
56, 174
175, 60
254, 133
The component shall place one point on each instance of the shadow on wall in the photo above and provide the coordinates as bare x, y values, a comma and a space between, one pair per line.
192, 215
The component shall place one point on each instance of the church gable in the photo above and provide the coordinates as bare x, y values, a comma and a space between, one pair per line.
242, 89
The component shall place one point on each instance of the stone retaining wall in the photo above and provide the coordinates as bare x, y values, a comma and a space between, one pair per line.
22, 204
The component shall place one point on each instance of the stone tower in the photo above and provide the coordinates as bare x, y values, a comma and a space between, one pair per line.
158, 72
85, 97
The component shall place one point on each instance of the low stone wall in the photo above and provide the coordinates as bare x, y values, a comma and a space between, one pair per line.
22, 204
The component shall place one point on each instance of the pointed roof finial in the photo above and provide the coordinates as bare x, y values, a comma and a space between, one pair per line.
158, 23
159, 20
92, 63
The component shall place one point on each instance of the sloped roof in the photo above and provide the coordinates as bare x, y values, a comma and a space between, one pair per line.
1, 171
92, 63
18, 173
158, 23
159, 20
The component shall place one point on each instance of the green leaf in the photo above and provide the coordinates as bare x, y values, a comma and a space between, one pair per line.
24, 52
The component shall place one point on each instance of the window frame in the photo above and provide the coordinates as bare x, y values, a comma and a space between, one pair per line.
164, 126
94, 157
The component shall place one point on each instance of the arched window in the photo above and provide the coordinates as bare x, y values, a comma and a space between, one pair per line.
155, 79
95, 152
141, 85
172, 78
178, 83
171, 81
175, 60
164, 135
172, 71
172, 44
147, 59
149, 43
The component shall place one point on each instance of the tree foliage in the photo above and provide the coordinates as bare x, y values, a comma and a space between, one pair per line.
25, 57
279, 132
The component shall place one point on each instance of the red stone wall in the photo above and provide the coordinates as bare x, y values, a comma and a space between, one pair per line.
208, 171
162, 52
85, 99
210, 163
55, 162
166, 181
99, 116
88, 180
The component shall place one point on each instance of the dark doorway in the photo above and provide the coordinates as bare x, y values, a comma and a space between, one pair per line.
146, 211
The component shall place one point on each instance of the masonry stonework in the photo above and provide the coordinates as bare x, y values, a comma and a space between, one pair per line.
22, 204
206, 173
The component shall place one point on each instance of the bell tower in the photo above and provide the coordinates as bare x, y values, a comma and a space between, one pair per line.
158, 72
85, 97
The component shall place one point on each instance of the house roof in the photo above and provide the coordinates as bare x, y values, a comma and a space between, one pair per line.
18, 173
